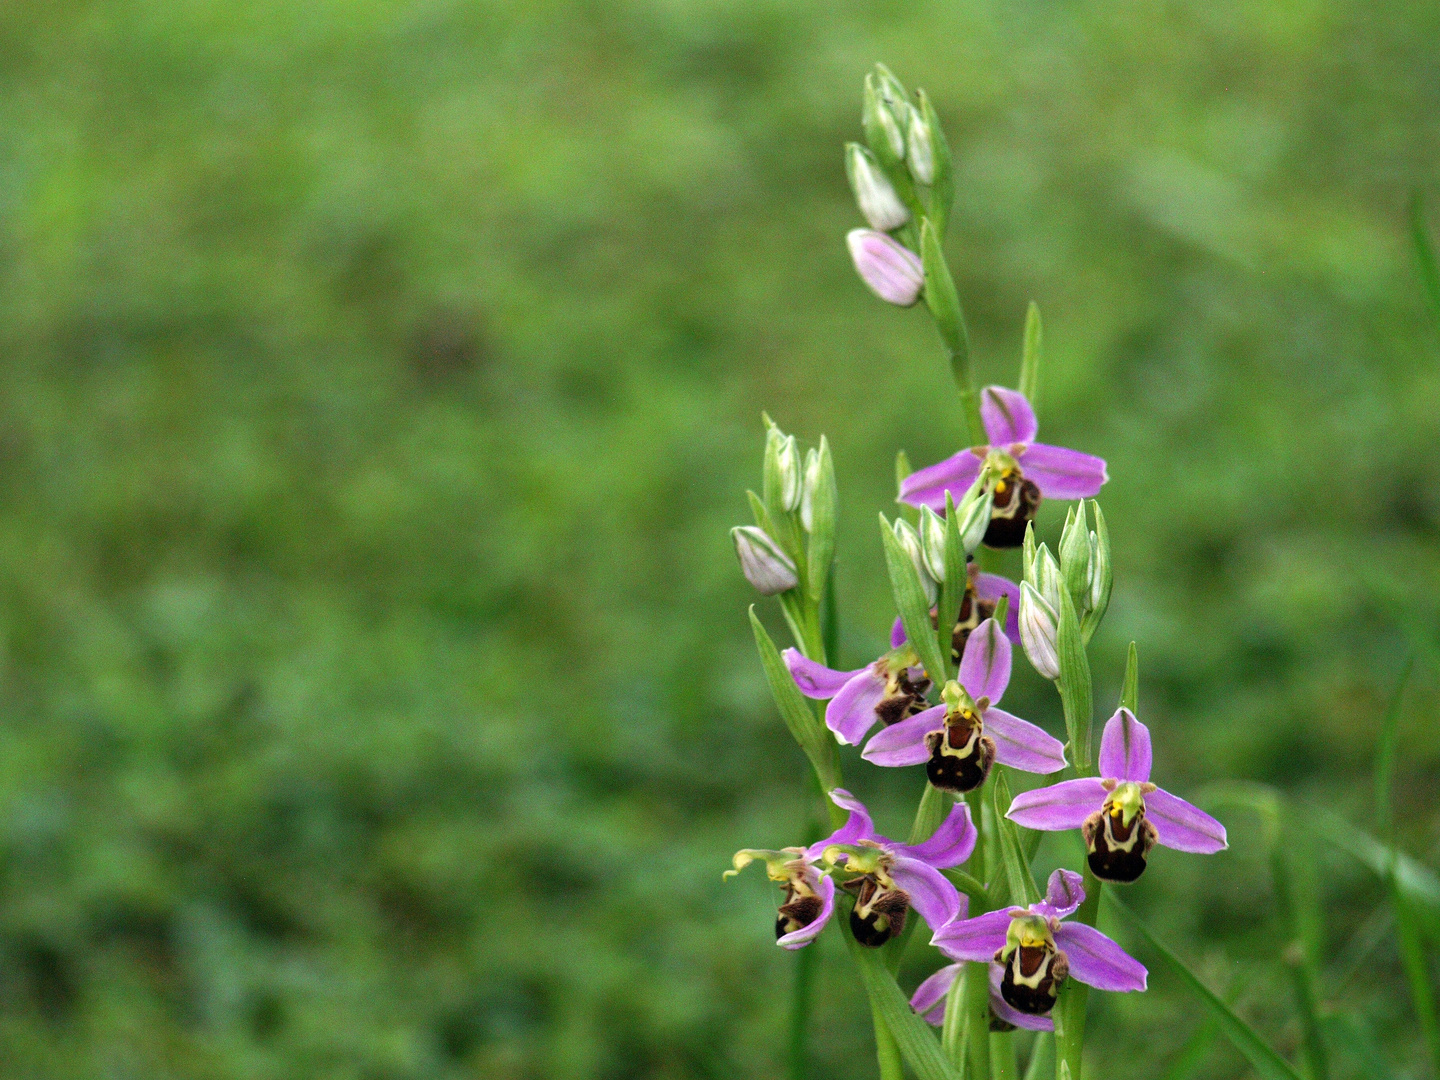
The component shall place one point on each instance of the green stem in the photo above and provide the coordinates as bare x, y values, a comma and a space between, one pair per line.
977, 1019
1004, 1062
1042, 1056
952, 1031
887, 1051
944, 304
1074, 996
801, 1004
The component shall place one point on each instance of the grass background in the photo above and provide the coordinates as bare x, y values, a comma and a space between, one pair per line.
379, 382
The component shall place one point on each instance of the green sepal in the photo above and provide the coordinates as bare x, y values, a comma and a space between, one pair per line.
902, 470
1268, 1064
807, 728
1130, 689
1020, 882
911, 603
952, 589
1074, 554
825, 512
912, 1034
1074, 686
1029, 384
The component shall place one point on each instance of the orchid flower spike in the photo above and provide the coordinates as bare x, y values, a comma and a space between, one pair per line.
1120, 814
886, 691
982, 593
1022, 471
1037, 952
929, 1001
890, 878
960, 738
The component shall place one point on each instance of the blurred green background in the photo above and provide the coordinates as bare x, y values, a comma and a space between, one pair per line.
380, 380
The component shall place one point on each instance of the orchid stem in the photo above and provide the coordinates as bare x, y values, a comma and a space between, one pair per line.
887, 1051
977, 1018
801, 1005
1004, 1061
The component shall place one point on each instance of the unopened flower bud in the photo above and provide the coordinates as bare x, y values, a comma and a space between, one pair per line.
791, 472
762, 561
893, 272
1075, 564
874, 193
881, 119
973, 515
920, 149
811, 481
1038, 633
932, 542
1046, 577
910, 541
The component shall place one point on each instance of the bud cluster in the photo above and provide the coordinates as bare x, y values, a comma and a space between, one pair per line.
1080, 578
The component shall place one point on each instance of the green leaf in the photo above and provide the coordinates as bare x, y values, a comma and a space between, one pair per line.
935, 806
824, 504
1130, 691
1042, 1057
1030, 356
902, 470
1385, 746
1076, 695
1425, 255
1349, 1033
807, 728
1416, 881
911, 603
1193, 1054
1020, 884
913, 1035
1266, 1062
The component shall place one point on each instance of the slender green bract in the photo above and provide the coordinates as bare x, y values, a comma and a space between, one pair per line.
913, 1036
910, 599
1268, 1064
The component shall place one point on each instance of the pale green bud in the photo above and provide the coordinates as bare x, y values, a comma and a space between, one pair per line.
763, 562
1046, 577
782, 470
874, 193
1038, 631
920, 148
807, 489
1075, 562
932, 542
881, 120
910, 541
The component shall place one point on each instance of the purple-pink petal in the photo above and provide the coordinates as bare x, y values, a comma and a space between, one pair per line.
1064, 892
858, 825
851, 712
1065, 805
985, 666
814, 679
991, 587
1098, 961
974, 939
1062, 473
1022, 745
1007, 416
955, 474
1182, 826
1125, 748
904, 743
951, 844
894, 273
931, 894
1005, 1011
897, 633
798, 939
930, 995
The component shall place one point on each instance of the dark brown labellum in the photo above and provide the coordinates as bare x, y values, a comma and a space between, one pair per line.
1032, 978
1117, 853
960, 755
904, 700
797, 912
1016, 501
879, 914
973, 611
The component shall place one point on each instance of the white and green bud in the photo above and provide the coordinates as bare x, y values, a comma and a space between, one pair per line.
874, 193
808, 486
1075, 556
973, 514
1045, 575
932, 542
763, 562
782, 470
1101, 575
881, 117
920, 148
1039, 631
910, 541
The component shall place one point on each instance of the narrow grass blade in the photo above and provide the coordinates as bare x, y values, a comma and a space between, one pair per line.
1425, 255
1030, 356
1351, 1035
1042, 1057
1267, 1063
914, 1038
1193, 1054
1130, 691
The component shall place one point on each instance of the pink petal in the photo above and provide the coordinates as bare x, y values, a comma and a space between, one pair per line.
893, 272
814, 679
1007, 416
1065, 805
1182, 826
1098, 961
992, 587
897, 633
974, 939
798, 939
955, 474
1022, 745
1064, 892
985, 667
931, 993
1125, 748
858, 825
1062, 473
952, 843
931, 894
851, 712
904, 743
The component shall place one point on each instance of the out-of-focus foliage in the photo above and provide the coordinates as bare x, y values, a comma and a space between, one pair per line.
380, 380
